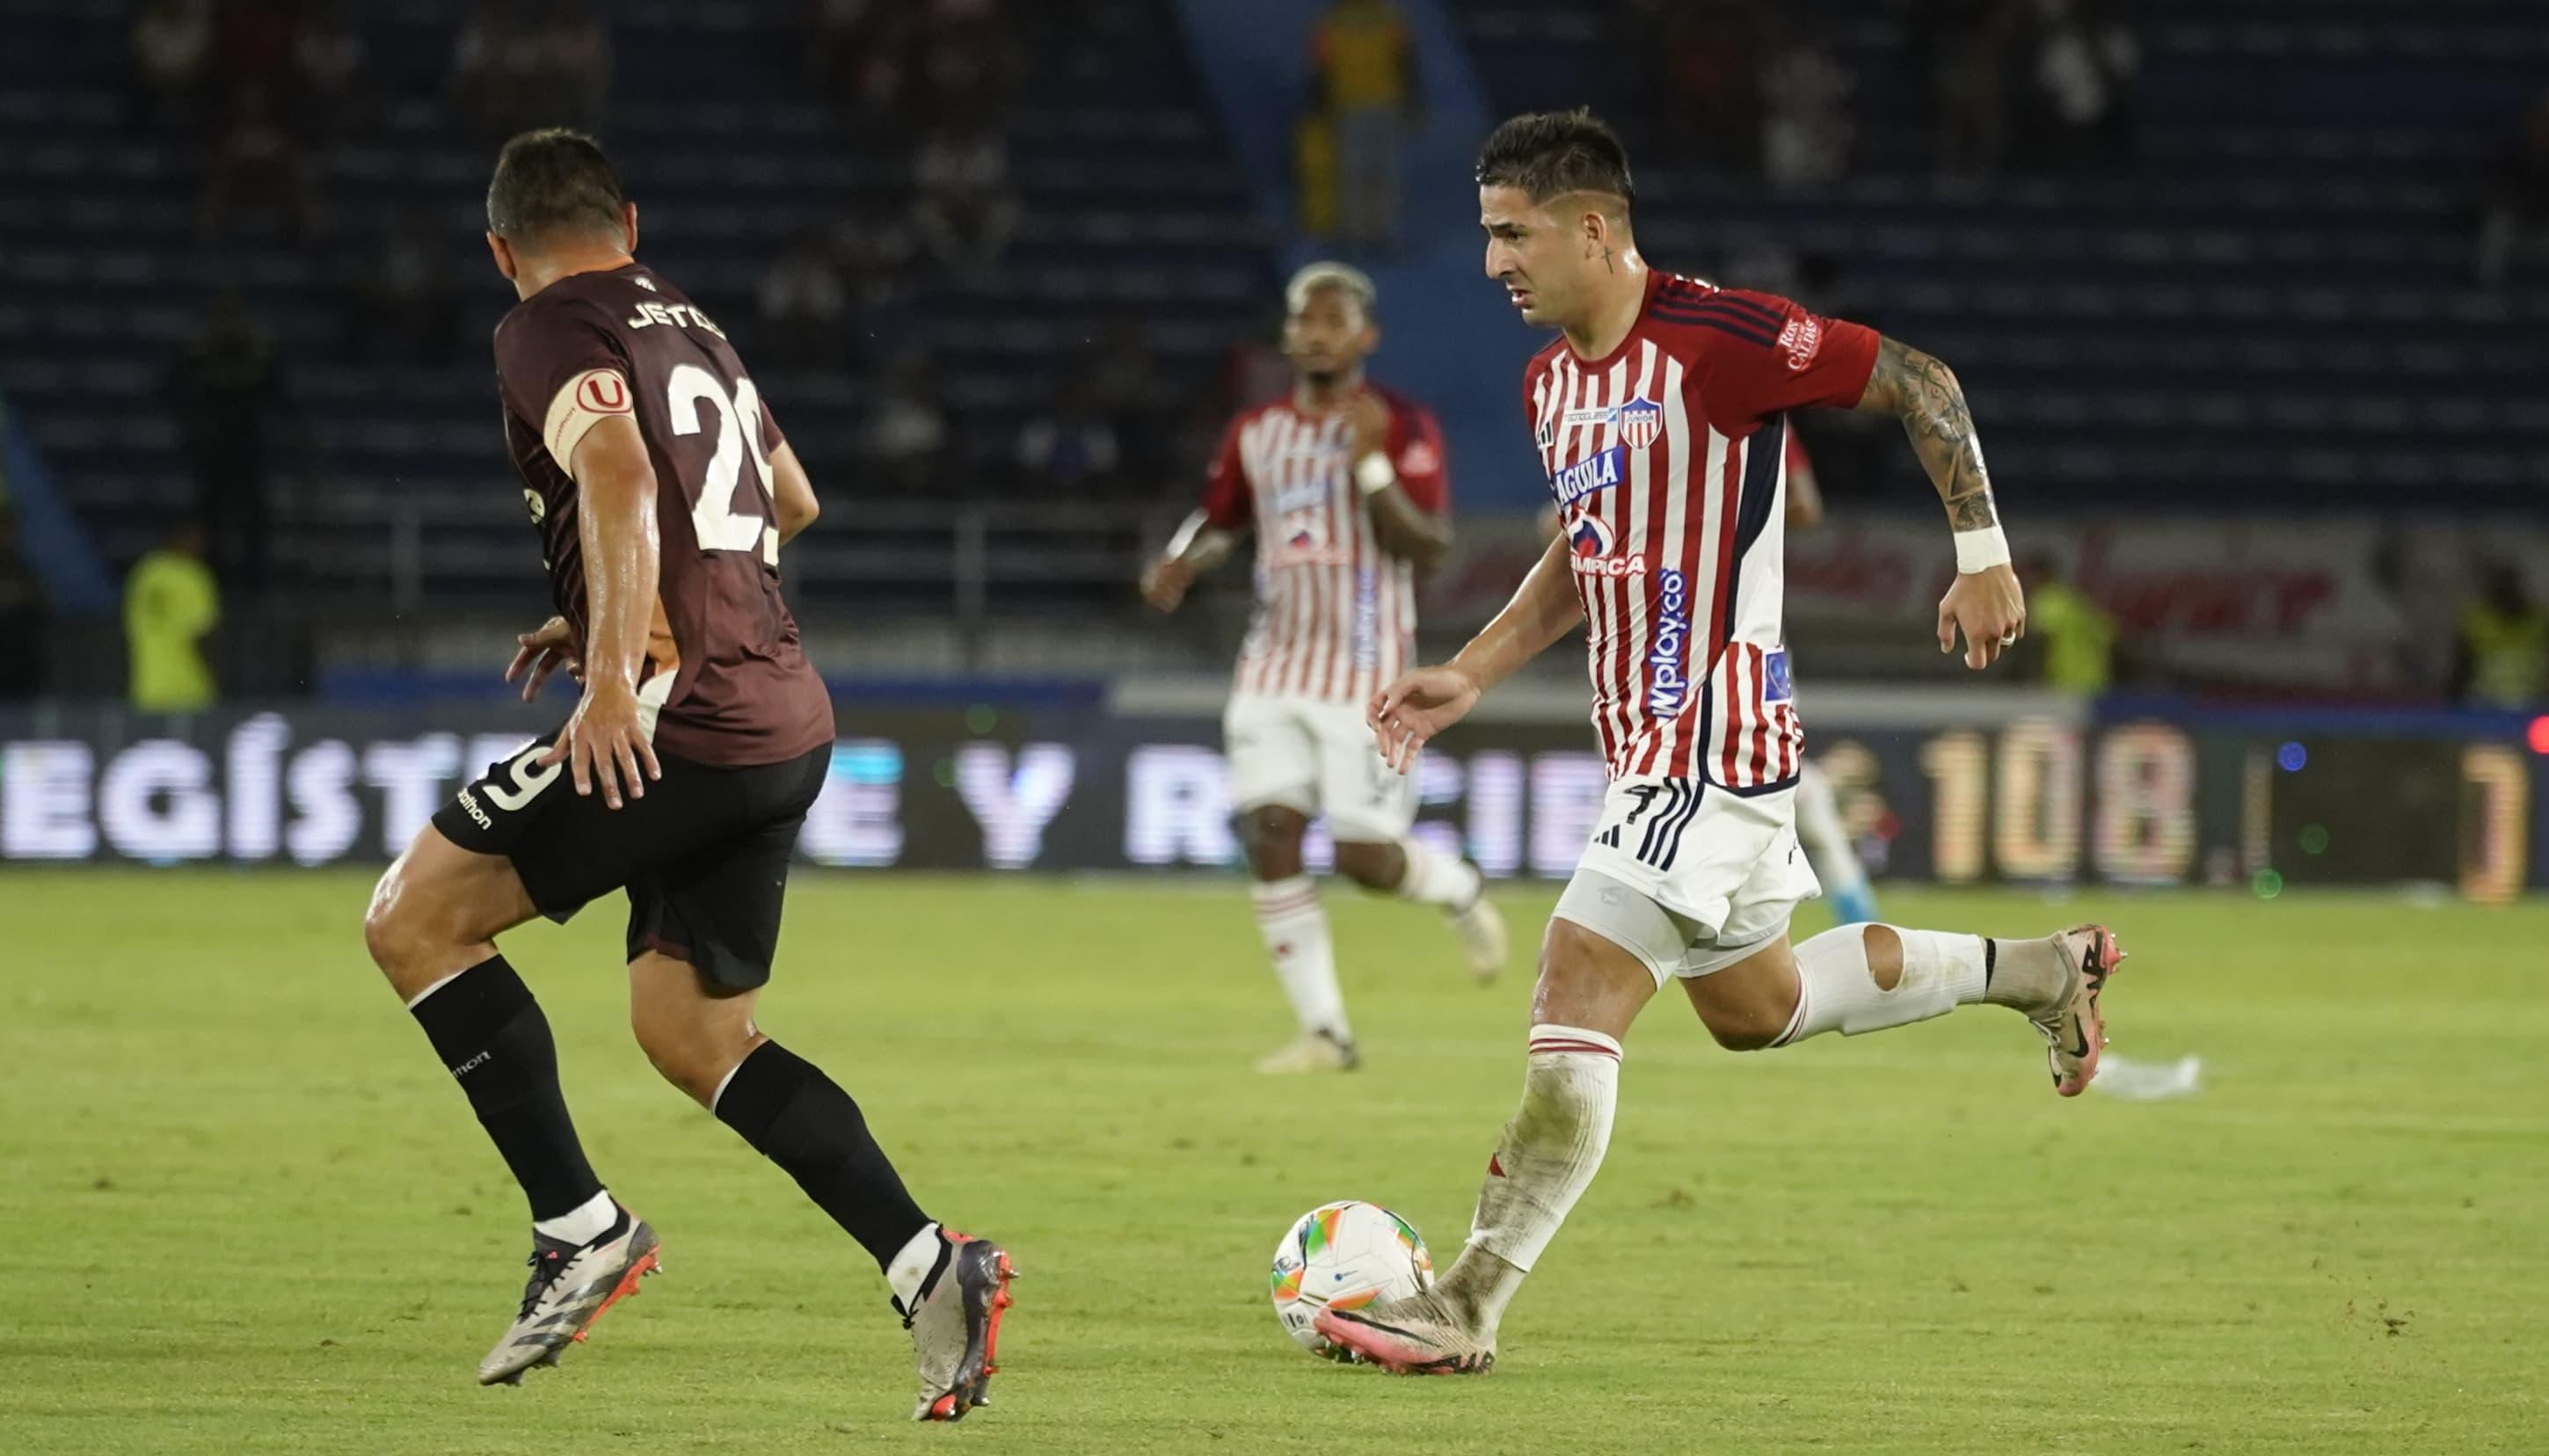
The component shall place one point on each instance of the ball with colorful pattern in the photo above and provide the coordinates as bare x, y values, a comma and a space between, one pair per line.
1343, 1256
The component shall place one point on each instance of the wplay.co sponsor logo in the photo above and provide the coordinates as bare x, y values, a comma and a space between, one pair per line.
1667, 660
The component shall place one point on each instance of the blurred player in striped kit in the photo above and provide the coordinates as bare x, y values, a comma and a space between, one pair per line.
1347, 490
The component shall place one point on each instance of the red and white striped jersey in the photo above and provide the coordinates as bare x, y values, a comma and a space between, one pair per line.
1336, 614
1667, 458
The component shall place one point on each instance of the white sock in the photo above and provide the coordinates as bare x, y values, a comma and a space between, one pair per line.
1838, 991
909, 1269
1436, 878
583, 1224
1541, 1165
1820, 836
1305, 961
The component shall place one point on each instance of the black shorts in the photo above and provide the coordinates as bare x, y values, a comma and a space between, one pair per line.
704, 856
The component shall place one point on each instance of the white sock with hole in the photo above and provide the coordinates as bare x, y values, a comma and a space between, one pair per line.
1541, 1165
909, 1268
1838, 991
1306, 959
1436, 878
583, 1224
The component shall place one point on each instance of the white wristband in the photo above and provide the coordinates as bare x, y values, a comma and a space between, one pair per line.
1980, 550
1373, 474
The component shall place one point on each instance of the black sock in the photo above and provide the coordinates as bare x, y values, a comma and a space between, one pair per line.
800, 1120
490, 1032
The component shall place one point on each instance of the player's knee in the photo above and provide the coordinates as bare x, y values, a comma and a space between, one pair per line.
1272, 838
1374, 865
389, 930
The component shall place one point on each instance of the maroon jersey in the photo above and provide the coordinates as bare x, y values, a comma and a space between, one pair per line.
725, 680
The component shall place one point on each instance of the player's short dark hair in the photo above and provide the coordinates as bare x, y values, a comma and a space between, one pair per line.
552, 180
1550, 154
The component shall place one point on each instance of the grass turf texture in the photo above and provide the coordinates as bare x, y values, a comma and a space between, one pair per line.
246, 1212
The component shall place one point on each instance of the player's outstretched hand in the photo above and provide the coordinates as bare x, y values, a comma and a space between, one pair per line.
544, 649
605, 743
1164, 583
1988, 609
1412, 709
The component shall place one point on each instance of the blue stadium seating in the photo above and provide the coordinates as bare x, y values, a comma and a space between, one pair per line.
2271, 311
1132, 203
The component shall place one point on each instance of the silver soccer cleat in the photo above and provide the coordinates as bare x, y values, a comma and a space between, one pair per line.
571, 1286
955, 1327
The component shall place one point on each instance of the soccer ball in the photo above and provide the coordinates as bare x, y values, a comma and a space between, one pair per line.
1343, 1256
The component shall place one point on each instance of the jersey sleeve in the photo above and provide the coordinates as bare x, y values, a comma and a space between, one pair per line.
1416, 452
1767, 355
1226, 501
562, 368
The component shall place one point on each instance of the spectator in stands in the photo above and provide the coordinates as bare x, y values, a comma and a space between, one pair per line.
1069, 449
22, 617
1709, 52
968, 61
2082, 65
171, 604
254, 160
570, 65
2518, 203
2502, 657
804, 305
1806, 128
838, 38
398, 301
966, 210
254, 44
228, 393
2074, 635
168, 66
1967, 42
907, 434
494, 70
874, 258
327, 72
1366, 98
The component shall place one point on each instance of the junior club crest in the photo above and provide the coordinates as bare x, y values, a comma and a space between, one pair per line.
1642, 420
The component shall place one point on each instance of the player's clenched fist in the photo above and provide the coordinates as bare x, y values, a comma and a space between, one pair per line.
1412, 709
1988, 609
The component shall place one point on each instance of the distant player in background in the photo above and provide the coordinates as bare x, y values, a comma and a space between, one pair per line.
1660, 416
1347, 490
1819, 828
661, 488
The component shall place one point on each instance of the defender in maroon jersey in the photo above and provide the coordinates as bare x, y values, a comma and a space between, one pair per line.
662, 490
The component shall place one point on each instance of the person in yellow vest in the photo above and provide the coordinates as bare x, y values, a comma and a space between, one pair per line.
1365, 84
2502, 655
170, 605
2076, 636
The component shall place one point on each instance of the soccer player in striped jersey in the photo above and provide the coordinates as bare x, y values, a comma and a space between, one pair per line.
1346, 488
1820, 832
1660, 413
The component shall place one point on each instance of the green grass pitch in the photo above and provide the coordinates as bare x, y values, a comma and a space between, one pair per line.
246, 1212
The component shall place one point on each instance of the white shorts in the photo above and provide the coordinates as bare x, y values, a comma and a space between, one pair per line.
1316, 758
1688, 877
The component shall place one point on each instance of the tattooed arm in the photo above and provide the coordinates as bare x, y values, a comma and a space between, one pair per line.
1985, 605
1924, 394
